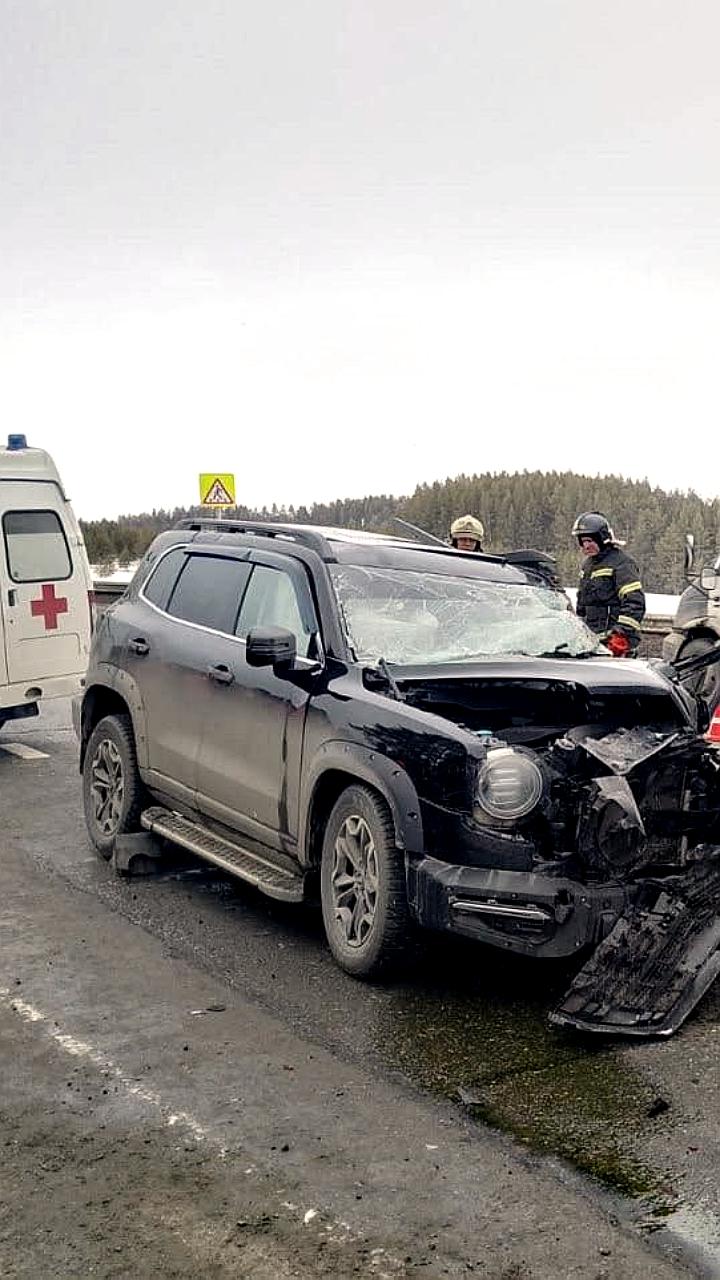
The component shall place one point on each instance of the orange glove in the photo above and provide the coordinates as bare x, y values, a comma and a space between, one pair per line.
618, 644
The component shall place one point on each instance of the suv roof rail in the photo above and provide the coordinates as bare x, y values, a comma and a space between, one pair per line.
310, 538
537, 562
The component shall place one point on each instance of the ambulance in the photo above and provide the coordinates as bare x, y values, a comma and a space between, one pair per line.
45, 585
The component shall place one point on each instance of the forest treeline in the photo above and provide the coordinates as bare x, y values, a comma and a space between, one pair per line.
528, 509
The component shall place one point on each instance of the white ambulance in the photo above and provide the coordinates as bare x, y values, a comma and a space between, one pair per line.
45, 585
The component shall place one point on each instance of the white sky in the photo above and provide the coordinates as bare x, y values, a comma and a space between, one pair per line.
344, 246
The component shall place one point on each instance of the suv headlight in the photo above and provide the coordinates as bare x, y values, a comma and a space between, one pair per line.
509, 784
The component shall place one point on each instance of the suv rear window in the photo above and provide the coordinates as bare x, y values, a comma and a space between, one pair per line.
163, 577
36, 546
208, 592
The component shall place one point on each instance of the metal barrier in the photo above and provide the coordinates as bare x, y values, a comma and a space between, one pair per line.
104, 593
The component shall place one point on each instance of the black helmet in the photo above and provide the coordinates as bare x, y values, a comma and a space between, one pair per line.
593, 524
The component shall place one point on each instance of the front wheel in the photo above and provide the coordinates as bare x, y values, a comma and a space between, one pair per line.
112, 787
362, 886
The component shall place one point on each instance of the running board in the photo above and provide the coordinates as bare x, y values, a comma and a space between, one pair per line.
276, 881
658, 960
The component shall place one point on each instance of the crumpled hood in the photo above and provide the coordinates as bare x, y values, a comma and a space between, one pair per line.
596, 674
531, 699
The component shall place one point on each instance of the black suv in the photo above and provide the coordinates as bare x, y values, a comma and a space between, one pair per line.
434, 735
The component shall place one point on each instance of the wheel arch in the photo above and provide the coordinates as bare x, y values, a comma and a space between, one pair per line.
113, 694
339, 766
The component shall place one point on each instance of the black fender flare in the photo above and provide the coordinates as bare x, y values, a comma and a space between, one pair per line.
115, 680
362, 764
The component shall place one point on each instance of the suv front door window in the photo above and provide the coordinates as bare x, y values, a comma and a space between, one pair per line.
271, 600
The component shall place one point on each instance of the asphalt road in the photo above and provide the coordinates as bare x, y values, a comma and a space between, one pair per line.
191, 1086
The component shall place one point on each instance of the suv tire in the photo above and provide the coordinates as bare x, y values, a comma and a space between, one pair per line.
362, 885
113, 792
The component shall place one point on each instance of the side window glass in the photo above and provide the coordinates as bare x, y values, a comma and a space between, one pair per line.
208, 592
36, 546
163, 577
271, 601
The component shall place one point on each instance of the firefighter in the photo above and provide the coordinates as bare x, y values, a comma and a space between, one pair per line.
467, 533
610, 597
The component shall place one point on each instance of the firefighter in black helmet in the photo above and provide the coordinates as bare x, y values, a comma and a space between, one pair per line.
610, 597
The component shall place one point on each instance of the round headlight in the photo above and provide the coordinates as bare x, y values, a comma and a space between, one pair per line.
509, 784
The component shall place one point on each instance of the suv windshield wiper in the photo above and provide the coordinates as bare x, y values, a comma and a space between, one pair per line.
560, 651
395, 690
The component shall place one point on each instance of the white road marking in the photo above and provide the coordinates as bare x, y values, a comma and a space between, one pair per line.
391, 1265
24, 752
80, 1049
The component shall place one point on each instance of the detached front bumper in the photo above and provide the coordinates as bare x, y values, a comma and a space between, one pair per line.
520, 911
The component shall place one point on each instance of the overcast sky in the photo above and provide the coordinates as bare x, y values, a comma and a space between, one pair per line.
345, 246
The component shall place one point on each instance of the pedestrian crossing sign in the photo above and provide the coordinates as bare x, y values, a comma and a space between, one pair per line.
217, 489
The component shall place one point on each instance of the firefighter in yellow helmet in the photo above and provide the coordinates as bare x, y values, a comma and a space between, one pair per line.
467, 533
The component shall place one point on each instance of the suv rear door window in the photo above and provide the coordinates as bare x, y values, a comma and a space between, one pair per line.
36, 547
271, 601
208, 592
163, 577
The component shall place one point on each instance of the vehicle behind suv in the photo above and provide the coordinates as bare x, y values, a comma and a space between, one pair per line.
432, 737
696, 630
45, 585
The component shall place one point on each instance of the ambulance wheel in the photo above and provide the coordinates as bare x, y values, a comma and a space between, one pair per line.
113, 792
705, 684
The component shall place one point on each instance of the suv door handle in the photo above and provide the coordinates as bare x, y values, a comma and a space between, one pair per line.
139, 646
221, 674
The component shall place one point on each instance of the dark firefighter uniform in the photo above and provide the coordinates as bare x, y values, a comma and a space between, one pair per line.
611, 598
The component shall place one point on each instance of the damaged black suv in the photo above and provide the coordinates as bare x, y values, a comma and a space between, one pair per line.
432, 736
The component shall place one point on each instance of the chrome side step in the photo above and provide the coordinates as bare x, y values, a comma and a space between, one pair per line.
275, 881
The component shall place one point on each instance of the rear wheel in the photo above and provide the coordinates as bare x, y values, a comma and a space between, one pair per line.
704, 684
112, 788
362, 886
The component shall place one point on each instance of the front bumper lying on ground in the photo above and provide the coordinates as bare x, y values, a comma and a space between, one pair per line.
658, 939
660, 958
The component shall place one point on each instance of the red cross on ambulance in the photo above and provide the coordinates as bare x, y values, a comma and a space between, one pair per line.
49, 606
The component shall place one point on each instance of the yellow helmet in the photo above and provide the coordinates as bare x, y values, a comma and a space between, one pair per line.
467, 527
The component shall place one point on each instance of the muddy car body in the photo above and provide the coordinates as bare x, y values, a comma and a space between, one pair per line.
435, 733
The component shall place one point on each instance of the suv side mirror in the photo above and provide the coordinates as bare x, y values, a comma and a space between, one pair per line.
270, 647
708, 579
689, 554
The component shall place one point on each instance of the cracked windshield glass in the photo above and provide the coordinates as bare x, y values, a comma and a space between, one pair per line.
409, 617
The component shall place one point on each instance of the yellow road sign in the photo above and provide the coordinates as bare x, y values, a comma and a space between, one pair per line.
217, 489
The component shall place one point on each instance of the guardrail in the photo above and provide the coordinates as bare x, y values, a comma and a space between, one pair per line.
654, 631
104, 593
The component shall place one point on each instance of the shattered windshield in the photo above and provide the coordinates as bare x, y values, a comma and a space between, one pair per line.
409, 617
